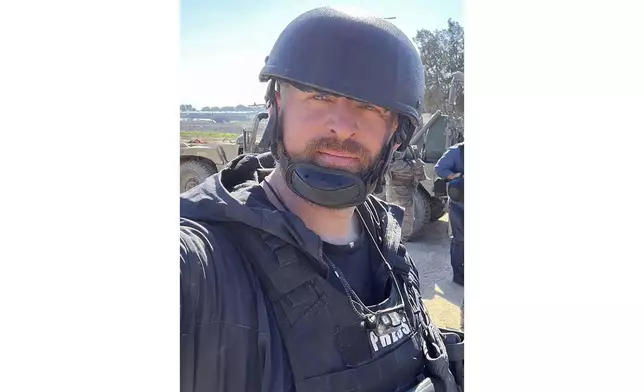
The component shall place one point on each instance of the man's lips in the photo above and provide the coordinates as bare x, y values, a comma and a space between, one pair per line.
337, 159
338, 154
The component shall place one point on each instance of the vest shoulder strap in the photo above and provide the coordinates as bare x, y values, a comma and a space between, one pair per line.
279, 265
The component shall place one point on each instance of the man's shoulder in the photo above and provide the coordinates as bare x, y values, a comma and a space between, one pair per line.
222, 305
450, 153
208, 225
197, 236
456, 147
208, 241
205, 246
214, 272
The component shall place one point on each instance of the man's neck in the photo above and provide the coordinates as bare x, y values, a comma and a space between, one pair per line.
337, 227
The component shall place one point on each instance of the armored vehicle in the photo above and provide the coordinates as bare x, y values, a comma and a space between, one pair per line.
201, 160
441, 130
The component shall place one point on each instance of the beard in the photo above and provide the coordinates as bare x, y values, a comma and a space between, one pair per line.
359, 164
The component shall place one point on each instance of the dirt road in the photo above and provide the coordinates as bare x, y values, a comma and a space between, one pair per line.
431, 255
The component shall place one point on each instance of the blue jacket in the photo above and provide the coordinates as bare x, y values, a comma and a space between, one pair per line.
451, 162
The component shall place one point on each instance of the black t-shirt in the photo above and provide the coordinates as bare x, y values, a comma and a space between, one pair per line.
354, 261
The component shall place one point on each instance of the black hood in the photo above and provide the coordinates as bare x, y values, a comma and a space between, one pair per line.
222, 198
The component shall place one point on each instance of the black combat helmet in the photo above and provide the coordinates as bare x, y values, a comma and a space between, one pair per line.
363, 58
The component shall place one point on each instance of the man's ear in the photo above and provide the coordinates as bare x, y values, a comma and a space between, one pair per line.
394, 127
395, 121
278, 99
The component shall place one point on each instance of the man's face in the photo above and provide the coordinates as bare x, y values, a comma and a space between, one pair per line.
332, 131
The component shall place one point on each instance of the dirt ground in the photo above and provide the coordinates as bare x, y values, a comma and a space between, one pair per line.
431, 255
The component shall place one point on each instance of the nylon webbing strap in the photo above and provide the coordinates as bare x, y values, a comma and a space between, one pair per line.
290, 272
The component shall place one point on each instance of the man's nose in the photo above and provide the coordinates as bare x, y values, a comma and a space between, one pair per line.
343, 121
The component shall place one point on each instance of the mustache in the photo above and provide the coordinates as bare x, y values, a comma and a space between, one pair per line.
348, 146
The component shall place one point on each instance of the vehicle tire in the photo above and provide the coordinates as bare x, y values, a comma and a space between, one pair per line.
438, 208
422, 213
194, 172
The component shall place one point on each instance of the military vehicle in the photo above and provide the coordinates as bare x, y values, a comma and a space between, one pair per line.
437, 134
199, 161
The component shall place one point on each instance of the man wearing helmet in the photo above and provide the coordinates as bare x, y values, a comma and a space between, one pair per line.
294, 279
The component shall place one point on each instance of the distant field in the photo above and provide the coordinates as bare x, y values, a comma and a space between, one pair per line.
209, 136
202, 126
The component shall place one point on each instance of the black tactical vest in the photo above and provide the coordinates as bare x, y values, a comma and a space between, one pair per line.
330, 347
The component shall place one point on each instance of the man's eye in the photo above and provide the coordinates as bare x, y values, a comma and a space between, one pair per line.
321, 97
368, 107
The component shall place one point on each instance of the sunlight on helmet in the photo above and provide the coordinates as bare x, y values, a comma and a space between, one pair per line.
354, 11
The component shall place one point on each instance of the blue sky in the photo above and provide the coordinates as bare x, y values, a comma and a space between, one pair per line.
223, 43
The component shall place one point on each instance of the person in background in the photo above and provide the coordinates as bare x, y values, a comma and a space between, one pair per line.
451, 167
406, 172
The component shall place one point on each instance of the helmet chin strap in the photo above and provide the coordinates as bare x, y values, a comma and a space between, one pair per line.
332, 188
326, 187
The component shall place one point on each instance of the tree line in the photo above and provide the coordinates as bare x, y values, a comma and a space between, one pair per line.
238, 108
442, 53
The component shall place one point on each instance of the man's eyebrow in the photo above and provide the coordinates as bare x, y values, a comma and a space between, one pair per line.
311, 90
